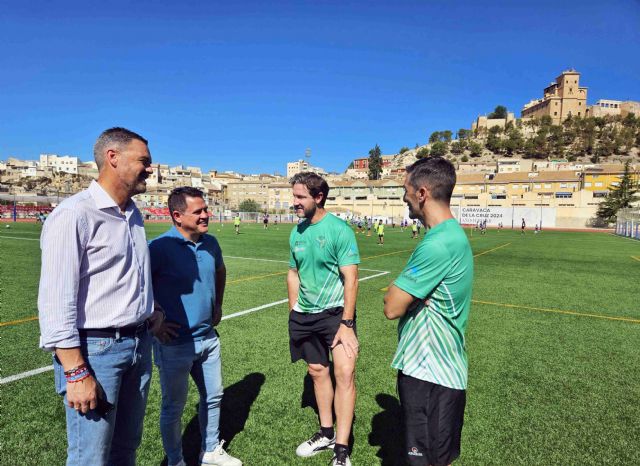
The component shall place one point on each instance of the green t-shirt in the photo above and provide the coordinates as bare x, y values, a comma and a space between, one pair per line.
414, 227
431, 343
317, 251
380, 228
236, 221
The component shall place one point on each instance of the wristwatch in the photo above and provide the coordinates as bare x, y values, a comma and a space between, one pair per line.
348, 322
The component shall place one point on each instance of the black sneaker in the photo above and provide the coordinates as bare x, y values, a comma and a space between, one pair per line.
315, 445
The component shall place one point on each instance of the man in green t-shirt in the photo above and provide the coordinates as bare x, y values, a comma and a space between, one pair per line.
432, 297
323, 284
236, 224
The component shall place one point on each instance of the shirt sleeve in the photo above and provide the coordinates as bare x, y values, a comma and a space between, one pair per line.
217, 254
62, 243
155, 257
426, 268
292, 260
347, 248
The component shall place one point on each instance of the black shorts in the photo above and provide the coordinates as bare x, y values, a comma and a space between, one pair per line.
311, 335
433, 417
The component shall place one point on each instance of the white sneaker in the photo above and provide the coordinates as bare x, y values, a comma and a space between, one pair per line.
315, 445
218, 457
341, 459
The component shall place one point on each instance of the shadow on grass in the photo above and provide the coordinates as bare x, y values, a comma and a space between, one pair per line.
386, 431
236, 406
309, 401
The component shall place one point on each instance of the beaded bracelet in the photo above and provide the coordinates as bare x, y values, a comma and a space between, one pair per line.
75, 369
79, 375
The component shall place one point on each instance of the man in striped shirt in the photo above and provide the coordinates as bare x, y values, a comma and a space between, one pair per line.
432, 297
95, 301
323, 284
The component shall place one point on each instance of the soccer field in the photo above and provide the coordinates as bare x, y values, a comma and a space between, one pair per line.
554, 373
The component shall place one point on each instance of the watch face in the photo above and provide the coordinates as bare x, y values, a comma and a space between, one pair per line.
347, 322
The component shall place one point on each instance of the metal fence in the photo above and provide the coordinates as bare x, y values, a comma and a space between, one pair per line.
628, 223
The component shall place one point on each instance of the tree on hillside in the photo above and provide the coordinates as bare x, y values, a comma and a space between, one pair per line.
446, 135
620, 197
439, 149
435, 137
499, 112
464, 133
249, 205
375, 163
422, 153
494, 144
457, 147
514, 141
475, 149
403, 150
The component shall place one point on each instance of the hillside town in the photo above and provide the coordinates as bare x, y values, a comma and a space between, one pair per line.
499, 168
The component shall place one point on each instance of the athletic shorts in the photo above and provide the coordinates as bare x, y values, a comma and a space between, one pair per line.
433, 417
311, 335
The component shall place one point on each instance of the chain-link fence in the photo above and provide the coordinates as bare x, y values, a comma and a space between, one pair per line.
628, 223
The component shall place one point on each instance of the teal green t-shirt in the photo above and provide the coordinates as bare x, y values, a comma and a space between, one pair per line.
318, 251
431, 343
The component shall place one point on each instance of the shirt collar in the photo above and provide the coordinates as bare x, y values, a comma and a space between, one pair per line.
103, 200
174, 233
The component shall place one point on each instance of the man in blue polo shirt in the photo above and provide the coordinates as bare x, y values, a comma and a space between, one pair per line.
189, 277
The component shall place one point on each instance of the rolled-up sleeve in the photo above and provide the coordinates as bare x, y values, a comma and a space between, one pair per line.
62, 245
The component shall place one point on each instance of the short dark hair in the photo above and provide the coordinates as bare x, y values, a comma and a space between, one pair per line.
435, 173
118, 136
314, 183
178, 199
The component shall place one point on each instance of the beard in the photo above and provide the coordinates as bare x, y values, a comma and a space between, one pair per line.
306, 213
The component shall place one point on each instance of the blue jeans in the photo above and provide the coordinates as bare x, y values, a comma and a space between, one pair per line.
201, 359
123, 367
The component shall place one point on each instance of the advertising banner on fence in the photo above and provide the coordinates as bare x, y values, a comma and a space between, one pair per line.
508, 216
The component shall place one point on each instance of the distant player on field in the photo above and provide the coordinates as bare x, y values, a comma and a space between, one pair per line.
380, 231
236, 224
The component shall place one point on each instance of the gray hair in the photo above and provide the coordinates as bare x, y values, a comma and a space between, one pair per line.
113, 136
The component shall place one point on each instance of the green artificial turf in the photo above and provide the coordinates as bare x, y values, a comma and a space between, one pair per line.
553, 377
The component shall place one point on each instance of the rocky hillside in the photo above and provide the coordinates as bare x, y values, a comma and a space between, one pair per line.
588, 140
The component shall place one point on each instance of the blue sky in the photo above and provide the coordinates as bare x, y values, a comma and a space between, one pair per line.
248, 86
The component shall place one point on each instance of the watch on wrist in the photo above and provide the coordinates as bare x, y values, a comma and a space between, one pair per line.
348, 322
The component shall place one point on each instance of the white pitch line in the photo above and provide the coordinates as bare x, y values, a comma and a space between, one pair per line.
23, 375
18, 237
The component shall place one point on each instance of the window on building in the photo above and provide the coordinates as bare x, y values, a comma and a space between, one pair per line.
516, 186
587, 184
555, 113
537, 186
563, 195
547, 185
599, 184
563, 185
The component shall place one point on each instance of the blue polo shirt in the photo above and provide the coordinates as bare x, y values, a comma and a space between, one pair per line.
183, 275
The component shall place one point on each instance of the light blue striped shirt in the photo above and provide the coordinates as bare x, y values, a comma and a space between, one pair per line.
95, 268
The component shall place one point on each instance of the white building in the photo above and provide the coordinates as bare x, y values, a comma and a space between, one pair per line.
66, 163
297, 167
